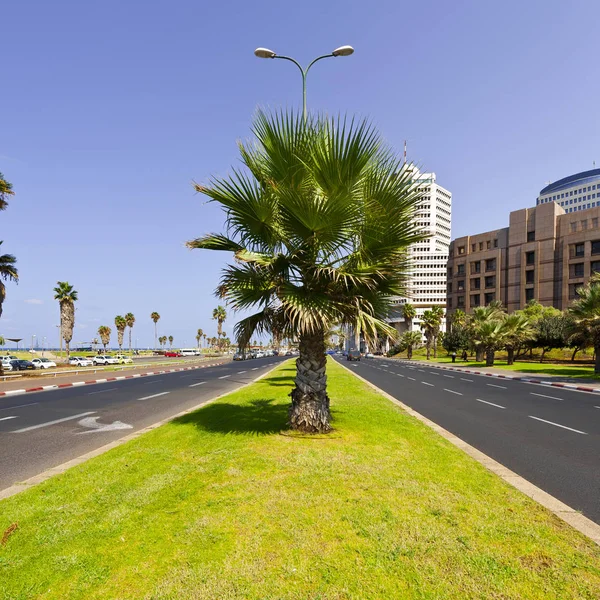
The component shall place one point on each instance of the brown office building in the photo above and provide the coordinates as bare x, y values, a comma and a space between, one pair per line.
545, 253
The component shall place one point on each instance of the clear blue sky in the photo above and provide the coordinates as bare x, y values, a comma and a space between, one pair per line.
109, 110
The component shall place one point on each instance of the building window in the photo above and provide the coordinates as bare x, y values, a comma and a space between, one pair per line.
460, 302
495, 243
573, 287
490, 264
595, 223
480, 246
490, 297
476, 300
488, 244
450, 287
584, 224
579, 250
531, 236
529, 276
595, 266
460, 269
473, 247
529, 294
573, 226
475, 267
476, 284
449, 302
596, 247
577, 270
461, 285
461, 249
490, 281
529, 258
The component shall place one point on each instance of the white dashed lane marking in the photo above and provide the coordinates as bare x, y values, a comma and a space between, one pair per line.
154, 396
558, 425
490, 403
453, 392
544, 396
496, 386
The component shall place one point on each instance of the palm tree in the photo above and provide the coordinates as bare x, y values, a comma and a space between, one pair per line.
5, 191
438, 313
429, 324
8, 272
219, 315
481, 315
585, 312
491, 336
204, 336
409, 313
518, 330
104, 332
66, 296
155, 317
320, 226
171, 341
199, 335
120, 324
130, 320
409, 340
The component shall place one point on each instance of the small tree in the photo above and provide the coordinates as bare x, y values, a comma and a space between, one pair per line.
517, 331
456, 339
409, 313
551, 331
130, 322
409, 341
171, 342
66, 296
104, 332
120, 324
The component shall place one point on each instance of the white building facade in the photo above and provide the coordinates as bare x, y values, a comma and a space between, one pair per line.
428, 276
576, 192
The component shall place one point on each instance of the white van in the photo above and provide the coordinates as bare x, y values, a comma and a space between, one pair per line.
190, 352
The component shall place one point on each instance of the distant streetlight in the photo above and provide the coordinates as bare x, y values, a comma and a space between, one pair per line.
32, 338
341, 51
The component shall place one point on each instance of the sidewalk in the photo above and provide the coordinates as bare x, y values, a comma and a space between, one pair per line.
583, 385
49, 382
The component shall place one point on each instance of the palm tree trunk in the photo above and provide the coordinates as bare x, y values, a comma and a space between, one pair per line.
428, 346
130, 340
409, 352
309, 411
510, 355
155, 335
479, 354
490, 355
435, 346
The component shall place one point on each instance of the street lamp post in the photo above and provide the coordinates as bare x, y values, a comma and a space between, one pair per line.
341, 51
32, 338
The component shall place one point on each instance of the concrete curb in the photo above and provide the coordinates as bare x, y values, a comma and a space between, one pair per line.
570, 386
564, 512
45, 388
45, 475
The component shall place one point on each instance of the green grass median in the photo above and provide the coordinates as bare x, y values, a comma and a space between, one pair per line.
225, 504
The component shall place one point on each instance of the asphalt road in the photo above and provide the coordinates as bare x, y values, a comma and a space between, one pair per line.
41, 430
549, 436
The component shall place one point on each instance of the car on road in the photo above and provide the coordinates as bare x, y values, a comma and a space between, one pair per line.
6, 366
239, 356
172, 353
124, 359
21, 365
353, 355
80, 361
43, 363
369, 355
104, 359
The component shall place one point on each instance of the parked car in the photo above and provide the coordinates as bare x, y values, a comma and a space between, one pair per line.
369, 355
353, 355
238, 356
172, 353
124, 359
104, 359
80, 361
10, 357
21, 365
6, 366
43, 363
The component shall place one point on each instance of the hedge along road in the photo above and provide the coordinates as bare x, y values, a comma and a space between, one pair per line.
549, 436
39, 431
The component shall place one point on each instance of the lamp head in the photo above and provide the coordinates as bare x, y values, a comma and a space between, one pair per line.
343, 51
264, 53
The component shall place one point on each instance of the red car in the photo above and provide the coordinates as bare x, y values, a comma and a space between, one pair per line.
176, 354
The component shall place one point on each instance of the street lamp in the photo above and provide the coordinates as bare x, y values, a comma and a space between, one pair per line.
341, 51
32, 338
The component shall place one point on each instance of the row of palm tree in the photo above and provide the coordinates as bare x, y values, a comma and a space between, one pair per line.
163, 339
8, 269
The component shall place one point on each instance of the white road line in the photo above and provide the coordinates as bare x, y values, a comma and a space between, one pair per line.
496, 386
7, 418
412, 378
464, 379
434, 373
225, 377
40, 425
153, 381
102, 391
544, 396
429, 384
490, 403
421, 370
242, 372
453, 392
19, 406
256, 368
596, 406
449, 376
154, 396
558, 425
195, 384
399, 375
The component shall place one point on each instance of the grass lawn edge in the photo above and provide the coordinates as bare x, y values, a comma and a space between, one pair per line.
563, 511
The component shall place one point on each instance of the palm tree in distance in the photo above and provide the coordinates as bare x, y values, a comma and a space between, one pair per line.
429, 323
130, 321
155, 317
585, 312
319, 226
438, 313
5, 191
66, 296
409, 340
219, 315
409, 313
120, 324
104, 332
8, 272
204, 336
171, 342
199, 335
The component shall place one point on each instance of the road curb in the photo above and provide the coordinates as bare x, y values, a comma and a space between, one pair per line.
44, 388
45, 475
564, 512
569, 386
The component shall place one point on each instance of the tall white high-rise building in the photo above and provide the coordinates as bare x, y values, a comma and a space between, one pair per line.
427, 282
